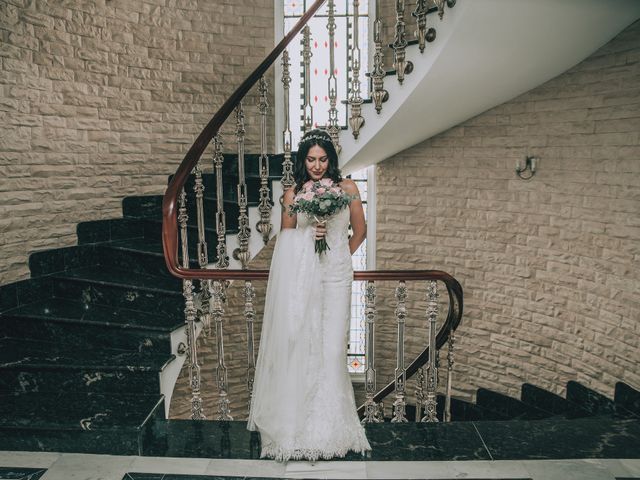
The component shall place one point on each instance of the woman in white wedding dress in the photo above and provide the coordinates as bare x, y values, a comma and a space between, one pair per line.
303, 403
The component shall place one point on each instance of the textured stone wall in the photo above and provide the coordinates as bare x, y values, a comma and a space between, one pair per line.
550, 267
101, 99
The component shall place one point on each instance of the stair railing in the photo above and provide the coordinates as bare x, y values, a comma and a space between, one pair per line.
213, 278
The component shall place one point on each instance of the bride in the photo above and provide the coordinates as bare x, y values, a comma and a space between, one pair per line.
303, 403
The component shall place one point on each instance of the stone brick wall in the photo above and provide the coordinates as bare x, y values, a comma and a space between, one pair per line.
550, 267
101, 99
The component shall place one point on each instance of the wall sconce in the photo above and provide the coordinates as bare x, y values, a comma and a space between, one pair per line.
530, 164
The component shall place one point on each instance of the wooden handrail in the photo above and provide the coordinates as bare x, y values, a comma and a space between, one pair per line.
170, 200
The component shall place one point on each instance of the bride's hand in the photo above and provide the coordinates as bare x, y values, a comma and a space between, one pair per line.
321, 230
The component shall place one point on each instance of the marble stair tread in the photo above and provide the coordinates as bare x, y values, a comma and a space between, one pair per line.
510, 407
593, 437
546, 400
106, 275
76, 411
627, 398
62, 310
32, 355
593, 402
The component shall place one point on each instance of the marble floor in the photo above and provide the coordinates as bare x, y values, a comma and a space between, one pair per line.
71, 466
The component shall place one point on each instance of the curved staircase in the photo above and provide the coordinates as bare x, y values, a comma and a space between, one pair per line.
91, 346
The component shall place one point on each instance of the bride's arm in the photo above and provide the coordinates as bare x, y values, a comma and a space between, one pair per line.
286, 220
356, 218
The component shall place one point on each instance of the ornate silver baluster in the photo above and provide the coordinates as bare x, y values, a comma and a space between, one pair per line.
432, 369
242, 253
420, 394
307, 108
332, 126
421, 19
401, 373
190, 315
221, 223
264, 224
356, 121
371, 409
441, 3
287, 165
400, 42
379, 94
203, 257
249, 315
450, 361
217, 311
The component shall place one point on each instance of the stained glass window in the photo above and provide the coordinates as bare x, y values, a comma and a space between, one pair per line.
319, 97
319, 74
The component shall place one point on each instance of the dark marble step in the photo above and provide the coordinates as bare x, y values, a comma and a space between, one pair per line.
511, 408
151, 208
627, 398
592, 437
37, 367
153, 232
251, 164
555, 404
56, 260
592, 401
118, 288
25, 292
21, 473
78, 324
140, 256
118, 424
108, 230
230, 186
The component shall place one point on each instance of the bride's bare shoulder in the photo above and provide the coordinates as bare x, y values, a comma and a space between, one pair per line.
349, 186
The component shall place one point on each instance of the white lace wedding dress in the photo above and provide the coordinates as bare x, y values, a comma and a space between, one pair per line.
303, 403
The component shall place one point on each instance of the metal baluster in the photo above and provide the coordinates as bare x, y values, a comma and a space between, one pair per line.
242, 253
264, 224
371, 409
190, 315
217, 311
221, 222
400, 43
332, 126
287, 165
450, 360
401, 373
420, 394
379, 94
432, 369
249, 315
421, 19
441, 3
203, 256
307, 108
356, 121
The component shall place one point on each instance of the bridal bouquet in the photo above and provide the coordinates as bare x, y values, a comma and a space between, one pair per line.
320, 200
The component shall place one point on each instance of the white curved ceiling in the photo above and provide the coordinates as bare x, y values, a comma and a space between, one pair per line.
486, 53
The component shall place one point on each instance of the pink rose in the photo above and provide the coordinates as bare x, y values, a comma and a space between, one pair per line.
321, 190
307, 196
326, 181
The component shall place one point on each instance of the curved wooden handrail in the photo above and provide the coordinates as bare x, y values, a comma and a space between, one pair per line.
170, 200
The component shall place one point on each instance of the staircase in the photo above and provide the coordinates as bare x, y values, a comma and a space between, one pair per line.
91, 345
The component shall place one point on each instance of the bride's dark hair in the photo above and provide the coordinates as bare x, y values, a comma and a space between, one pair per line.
323, 140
